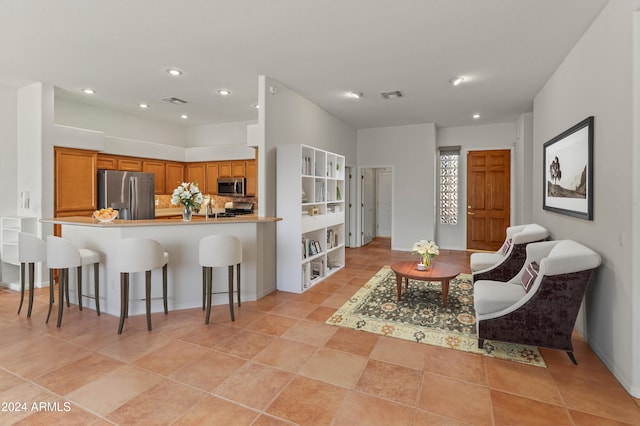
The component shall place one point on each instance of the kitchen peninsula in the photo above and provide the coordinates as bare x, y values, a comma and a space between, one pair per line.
181, 240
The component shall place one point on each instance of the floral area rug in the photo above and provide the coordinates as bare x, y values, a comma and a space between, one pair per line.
419, 316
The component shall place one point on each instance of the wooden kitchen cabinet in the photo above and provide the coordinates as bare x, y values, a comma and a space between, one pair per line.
107, 162
159, 174
211, 178
75, 180
238, 168
251, 170
231, 169
224, 169
174, 176
196, 173
130, 164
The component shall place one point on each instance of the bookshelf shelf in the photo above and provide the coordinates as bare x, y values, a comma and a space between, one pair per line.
310, 186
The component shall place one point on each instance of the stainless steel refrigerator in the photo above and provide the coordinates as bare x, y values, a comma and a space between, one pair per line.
129, 192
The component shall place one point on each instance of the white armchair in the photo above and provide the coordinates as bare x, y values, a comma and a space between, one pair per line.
506, 262
540, 304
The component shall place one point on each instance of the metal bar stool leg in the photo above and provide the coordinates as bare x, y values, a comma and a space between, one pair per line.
148, 297
21, 286
238, 279
51, 290
32, 278
123, 299
208, 272
204, 288
230, 273
164, 289
63, 285
96, 285
80, 288
66, 291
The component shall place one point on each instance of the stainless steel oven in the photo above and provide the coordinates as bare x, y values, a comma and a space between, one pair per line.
233, 187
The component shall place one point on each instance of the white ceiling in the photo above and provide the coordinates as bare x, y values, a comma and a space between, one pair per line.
506, 50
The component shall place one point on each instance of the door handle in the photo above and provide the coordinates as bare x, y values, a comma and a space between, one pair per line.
470, 213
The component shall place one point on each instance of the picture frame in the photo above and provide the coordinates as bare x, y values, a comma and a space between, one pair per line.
567, 185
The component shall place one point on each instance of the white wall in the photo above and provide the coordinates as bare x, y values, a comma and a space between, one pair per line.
523, 169
218, 134
472, 138
288, 118
8, 151
596, 78
410, 151
117, 124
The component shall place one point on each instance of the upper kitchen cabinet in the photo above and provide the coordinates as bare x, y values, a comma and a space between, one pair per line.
75, 175
159, 173
129, 164
238, 168
174, 176
196, 173
107, 162
231, 169
251, 171
211, 178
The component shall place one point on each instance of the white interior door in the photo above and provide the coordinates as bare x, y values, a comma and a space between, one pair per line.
383, 202
349, 214
368, 205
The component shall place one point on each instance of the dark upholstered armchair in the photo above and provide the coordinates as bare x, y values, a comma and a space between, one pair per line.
540, 304
506, 262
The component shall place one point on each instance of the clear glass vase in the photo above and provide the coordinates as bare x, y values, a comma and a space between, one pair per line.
187, 213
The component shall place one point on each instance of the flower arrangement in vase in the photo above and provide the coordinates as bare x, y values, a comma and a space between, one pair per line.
189, 197
427, 249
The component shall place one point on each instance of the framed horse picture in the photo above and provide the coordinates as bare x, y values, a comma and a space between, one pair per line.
568, 171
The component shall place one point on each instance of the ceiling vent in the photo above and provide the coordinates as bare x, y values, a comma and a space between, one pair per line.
395, 94
175, 101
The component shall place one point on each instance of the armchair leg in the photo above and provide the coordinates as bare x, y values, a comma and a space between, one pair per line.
572, 358
480, 343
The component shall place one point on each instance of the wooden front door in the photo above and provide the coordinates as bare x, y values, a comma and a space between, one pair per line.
488, 198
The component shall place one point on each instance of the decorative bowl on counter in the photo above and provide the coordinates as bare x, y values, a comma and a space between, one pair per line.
105, 215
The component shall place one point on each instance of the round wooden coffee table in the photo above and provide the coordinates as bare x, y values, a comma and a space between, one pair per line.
439, 271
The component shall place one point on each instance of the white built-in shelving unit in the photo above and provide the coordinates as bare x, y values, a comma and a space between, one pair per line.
9, 229
310, 201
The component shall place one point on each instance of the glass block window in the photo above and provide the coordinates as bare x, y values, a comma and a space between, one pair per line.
448, 185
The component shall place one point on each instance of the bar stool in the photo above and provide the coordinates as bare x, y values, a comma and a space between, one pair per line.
140, 255
62, 254
31, 249
216, 251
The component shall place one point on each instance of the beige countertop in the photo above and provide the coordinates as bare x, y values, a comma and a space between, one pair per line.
197, 220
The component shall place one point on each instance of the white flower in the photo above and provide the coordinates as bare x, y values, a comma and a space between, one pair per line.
423, 247
188, 195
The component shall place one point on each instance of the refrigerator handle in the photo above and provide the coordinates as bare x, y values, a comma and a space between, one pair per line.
133, 197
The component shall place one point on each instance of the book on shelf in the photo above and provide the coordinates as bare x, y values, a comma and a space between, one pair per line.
310, 248
317, 268
306, 275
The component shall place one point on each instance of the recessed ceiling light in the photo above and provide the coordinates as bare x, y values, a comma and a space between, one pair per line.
224, 92
356, 95
174, 72
143, 106
456, 80
476, 116
89, 91
185, 116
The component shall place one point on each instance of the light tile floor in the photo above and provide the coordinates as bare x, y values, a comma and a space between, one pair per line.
279, 364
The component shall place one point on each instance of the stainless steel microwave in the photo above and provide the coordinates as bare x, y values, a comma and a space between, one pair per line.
233, 187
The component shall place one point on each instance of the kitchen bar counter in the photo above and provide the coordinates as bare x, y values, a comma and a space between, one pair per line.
181, 240
197, 220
